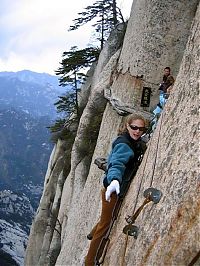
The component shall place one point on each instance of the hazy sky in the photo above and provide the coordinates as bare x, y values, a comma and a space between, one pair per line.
34, 33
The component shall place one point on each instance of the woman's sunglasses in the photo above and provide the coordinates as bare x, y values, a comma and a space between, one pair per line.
143, 129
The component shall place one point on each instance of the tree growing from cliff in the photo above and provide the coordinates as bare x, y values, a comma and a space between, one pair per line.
71, 73
107, 14
72, 65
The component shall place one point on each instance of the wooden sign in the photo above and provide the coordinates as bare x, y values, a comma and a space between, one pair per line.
146, 95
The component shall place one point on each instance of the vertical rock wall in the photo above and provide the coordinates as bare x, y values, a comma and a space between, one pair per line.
156, 35
87, 203
169, 232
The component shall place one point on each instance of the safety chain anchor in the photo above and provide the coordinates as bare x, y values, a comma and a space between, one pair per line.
151, 195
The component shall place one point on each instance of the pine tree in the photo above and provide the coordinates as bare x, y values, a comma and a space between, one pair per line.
73, 62
107, 14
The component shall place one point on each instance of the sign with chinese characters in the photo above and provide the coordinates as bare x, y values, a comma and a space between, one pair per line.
146, 95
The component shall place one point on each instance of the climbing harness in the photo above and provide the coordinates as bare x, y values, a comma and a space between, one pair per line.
150, 194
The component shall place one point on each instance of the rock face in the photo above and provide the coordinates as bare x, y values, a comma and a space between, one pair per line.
168, 231
156, 35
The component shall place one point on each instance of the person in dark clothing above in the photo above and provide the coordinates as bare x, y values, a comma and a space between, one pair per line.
168, 80
165, 89
126, 149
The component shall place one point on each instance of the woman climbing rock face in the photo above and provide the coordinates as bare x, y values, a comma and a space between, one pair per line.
125, 152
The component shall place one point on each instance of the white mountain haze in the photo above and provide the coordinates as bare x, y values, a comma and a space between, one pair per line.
33, 93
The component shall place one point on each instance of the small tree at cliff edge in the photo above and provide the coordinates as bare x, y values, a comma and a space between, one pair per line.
72, 64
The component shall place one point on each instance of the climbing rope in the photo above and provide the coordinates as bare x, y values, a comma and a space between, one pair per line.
157, 145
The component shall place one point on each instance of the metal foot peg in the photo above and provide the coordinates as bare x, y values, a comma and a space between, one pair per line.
101, 163
150, 194
153, 194
131, 230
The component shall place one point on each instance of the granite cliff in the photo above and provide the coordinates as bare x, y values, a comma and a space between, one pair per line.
158, 34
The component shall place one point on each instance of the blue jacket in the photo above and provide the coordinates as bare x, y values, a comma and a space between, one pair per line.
125, 152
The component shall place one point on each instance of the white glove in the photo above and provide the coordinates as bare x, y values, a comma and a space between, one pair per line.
113, 187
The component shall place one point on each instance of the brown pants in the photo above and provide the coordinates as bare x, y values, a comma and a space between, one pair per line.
100, 229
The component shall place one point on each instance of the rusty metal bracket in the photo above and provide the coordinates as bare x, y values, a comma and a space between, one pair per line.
151, 195
131, 230
101, 163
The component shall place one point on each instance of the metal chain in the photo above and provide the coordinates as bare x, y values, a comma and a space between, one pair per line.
136, 201
124, 251
157, 145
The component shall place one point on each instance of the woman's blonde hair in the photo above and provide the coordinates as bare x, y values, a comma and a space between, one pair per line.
128, 120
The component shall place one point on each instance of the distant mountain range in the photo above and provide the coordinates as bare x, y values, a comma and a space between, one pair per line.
26, 109
33, 93
24, 149
33, 77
